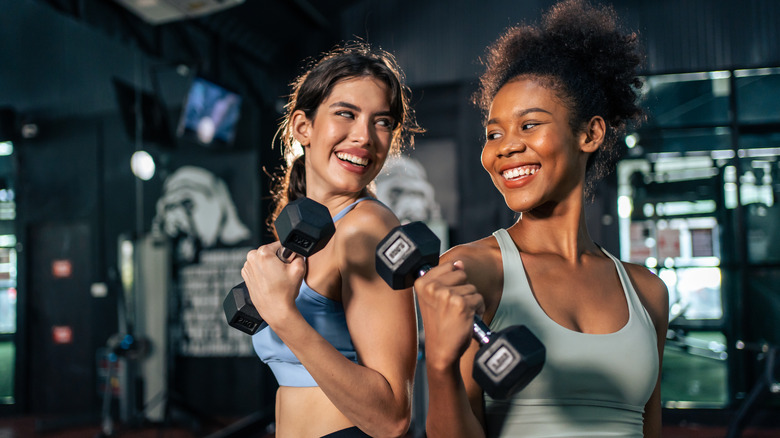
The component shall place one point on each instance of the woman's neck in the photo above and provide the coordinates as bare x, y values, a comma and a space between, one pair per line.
555, 229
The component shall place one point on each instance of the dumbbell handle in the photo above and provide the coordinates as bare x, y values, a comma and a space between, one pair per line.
481, 332
285, 254
247, 319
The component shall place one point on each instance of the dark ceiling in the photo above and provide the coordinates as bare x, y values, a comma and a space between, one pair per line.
258, 37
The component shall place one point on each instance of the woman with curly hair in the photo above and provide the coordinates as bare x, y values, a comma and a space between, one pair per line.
556, 98
341, 343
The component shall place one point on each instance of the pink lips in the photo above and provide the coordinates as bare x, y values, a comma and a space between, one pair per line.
354, 159
515, 175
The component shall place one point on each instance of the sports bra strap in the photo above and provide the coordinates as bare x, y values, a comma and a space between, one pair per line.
349, 208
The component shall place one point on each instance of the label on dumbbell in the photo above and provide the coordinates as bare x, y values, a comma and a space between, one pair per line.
250, 325
500, 359
395, 249
301, 241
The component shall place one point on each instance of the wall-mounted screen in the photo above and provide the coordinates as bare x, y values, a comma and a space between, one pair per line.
210, 115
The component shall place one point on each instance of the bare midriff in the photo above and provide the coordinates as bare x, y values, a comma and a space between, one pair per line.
306, 412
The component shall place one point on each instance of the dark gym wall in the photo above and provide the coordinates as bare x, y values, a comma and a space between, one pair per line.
441, 41
54, 78
62, 367
59, 208
77, 195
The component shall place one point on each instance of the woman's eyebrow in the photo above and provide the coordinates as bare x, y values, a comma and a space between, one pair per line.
521, 113
345, 104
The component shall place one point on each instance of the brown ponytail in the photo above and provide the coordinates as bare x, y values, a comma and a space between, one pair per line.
287, 188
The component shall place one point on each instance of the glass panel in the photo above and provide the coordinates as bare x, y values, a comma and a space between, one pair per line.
8, 275
7, 286
7, 244
684, 141
694, 370
758, 92
759, 193
687, 99
760, 145
7, 353
668, 223
7, 310
694, 293
677, 190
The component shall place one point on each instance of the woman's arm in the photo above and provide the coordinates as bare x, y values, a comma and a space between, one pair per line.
383, 326
660, 316
654, 295
375, 394
454, 399
448, 303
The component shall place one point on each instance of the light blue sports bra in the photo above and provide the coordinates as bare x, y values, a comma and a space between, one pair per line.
325, 315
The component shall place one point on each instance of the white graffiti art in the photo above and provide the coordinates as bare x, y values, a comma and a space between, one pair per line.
197, 211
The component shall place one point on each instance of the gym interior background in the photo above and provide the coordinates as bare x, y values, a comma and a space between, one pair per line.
111, 286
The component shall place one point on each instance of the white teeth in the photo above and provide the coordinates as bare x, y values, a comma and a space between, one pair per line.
352, 159
519, 171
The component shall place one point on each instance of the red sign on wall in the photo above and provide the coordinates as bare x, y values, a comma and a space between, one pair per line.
61, 268
62, 334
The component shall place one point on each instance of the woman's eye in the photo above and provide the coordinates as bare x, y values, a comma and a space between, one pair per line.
492, 135
386, 123
347, 114
529, 125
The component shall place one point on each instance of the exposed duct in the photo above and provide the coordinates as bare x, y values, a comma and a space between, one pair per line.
164, 11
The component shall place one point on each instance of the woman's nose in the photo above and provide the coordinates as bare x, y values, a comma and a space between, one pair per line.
360, 133
510, 145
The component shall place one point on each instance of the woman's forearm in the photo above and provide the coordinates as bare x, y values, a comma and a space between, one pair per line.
449, 411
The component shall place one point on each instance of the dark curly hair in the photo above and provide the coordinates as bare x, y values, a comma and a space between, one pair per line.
346, 61
583, 55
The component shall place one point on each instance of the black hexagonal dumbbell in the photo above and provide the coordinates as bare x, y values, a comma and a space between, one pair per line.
304, 227
507, 360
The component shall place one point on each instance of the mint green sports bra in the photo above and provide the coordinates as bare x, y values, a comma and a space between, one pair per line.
591, 385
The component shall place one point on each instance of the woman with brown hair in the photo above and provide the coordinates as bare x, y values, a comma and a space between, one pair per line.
341, 343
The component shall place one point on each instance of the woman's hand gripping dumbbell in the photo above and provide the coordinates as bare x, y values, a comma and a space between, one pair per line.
507, 360
304, 227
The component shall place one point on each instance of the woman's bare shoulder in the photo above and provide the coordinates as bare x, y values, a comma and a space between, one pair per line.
367, 219
478, 251
360, 230
651, 289
483, 264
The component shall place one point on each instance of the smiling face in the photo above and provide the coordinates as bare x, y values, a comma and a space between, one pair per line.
348, 140
530, 152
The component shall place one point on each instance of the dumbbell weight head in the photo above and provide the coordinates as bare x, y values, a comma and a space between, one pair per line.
304, 227
240, 312
508, 362
404, 252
